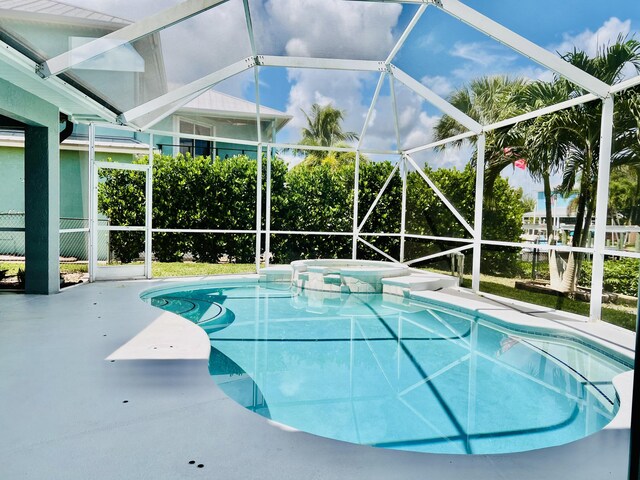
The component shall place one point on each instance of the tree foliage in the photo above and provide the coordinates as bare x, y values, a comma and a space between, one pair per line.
201, 193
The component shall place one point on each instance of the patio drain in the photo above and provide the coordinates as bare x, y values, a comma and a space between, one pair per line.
162, 346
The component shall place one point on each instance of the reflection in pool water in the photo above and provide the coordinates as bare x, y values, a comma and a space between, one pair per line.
385, 371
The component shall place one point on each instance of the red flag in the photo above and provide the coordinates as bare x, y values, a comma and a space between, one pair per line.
521, 163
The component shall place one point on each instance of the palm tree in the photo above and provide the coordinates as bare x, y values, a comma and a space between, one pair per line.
541, 143
577, 136
567, 141
324, 129
626, 148
487, 100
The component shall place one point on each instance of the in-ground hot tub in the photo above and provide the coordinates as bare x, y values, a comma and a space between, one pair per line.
346, 276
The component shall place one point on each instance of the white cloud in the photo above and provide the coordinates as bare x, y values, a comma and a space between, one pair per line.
414, 124
450, 157
590, 42
331, 28
439, 84
486, 58
482, 54
193, 48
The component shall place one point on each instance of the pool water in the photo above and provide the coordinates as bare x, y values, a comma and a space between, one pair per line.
389, 372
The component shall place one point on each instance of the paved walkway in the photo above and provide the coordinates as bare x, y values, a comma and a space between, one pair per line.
82, 400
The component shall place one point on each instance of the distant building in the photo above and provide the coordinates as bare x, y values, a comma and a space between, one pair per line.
534, 224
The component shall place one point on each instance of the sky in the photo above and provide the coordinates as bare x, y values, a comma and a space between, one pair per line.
441, 52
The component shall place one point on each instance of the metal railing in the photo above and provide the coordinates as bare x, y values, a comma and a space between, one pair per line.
74, 237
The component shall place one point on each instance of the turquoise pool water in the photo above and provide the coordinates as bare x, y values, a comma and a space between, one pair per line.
384, 371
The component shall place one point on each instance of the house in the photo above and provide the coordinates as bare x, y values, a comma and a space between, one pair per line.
47, 28
534, 224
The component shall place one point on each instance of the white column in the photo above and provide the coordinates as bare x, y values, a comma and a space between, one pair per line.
148, 224
267, 239
93, 205
604, 167
477, 224
403, 214
258, 206
356, 191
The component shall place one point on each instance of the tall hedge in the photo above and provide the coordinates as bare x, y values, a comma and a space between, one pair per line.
205, 193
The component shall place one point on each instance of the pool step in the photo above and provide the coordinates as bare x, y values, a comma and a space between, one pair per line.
332, 278
417, 282
277, 273
325, 278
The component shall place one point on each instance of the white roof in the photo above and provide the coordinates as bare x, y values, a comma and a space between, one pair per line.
222, 104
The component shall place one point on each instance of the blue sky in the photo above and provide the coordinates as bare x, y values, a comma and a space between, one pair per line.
441, 52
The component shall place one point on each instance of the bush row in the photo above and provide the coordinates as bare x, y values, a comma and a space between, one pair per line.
205, 193
620, 275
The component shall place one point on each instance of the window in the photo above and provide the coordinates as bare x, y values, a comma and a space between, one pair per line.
193, 146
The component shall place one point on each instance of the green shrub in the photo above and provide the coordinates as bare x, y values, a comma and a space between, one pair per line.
213, 194
620, 276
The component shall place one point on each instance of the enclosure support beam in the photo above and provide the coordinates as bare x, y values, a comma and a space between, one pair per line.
127, 34
439, 254
477, 224
356, 191
377, 250
188, 90
436, 100
541, 111
441, 195
403, 213
148, 236
527, 48
258, 207
170, 111
372, 107
455, 138
321, 63
394, 104
267, 226
377, 199
93, 205
405, 34
604, 167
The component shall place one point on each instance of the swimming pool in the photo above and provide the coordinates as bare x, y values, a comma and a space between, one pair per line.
392, 372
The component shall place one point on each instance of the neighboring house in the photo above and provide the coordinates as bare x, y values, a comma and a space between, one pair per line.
220, 115
534, 224
47, 28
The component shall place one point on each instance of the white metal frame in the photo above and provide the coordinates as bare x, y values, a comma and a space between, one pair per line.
169, 102
96, 271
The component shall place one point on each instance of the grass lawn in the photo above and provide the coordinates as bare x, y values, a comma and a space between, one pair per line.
12, 267
612, 314
175, 269
621, 316
180, 269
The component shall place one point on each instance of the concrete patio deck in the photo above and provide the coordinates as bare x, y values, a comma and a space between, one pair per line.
81, 399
